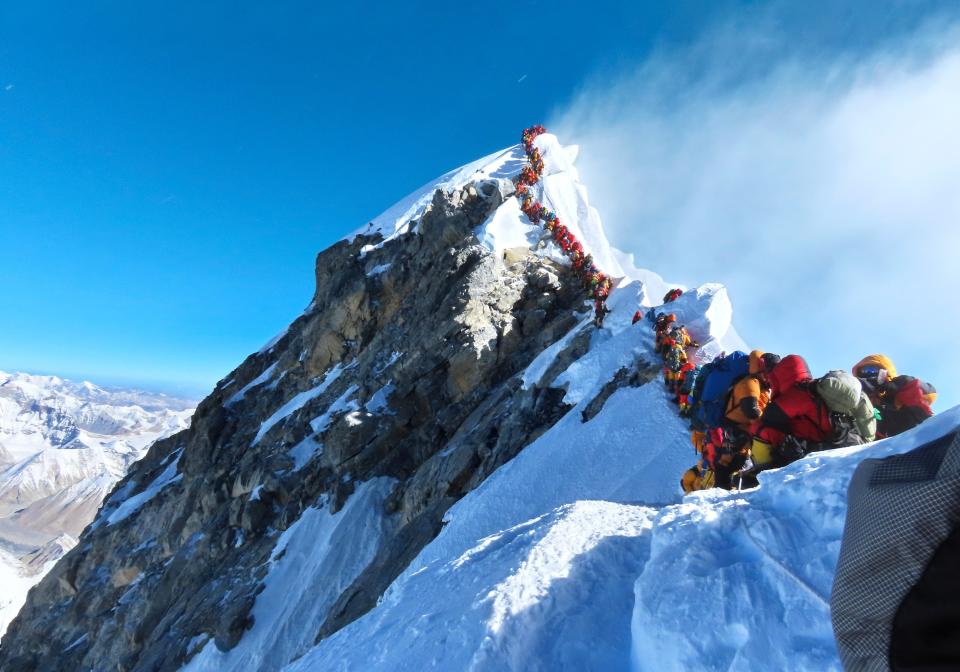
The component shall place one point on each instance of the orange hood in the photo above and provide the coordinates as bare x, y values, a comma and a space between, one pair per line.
882, 361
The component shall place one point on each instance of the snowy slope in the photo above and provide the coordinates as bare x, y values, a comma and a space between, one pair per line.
55, 433
63, 445
535, 569
722, 581
402, 217
16, 583
587, 476
580, 553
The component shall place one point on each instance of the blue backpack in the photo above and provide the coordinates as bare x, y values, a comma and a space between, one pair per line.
690, 380
722, 374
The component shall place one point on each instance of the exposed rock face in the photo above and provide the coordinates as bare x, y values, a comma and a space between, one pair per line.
404, 366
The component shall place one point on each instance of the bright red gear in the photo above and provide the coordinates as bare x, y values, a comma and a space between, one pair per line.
912, 395
794, 408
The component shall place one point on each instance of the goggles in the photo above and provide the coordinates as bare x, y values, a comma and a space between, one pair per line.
874, 372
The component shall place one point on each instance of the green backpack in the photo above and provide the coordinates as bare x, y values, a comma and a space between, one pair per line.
843, 393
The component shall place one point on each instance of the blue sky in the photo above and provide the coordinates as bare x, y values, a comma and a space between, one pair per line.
169, 171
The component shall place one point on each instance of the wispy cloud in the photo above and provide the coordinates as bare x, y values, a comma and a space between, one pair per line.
823, 190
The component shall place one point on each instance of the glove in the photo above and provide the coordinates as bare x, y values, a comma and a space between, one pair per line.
792, 449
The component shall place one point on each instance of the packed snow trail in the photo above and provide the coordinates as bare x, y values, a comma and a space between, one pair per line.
765, 614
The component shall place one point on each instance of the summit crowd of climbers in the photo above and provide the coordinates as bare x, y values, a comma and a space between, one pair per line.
592, 278
748, 411
754, 411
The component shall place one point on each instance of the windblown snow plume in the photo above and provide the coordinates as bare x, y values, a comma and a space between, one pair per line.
739, 162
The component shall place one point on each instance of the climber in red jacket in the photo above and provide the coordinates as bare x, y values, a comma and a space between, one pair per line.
794, 421
908, 404
672, 295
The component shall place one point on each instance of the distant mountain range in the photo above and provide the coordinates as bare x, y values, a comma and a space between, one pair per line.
63, 446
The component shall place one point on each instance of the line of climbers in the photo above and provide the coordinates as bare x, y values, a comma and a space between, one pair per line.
594, 280
756, 411
748, 412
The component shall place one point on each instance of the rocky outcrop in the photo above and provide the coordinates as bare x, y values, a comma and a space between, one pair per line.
406, 365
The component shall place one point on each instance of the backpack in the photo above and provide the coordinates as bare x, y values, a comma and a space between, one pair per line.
846, 432
843, 394
675, 358
696, 393
690, 380
723, 373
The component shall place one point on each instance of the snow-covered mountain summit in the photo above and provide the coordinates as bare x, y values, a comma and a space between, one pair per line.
443, 339
63, 445
443, 464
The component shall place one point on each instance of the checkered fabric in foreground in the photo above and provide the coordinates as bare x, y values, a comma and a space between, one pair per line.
900, 509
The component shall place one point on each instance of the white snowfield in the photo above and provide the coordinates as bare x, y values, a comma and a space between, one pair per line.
581, 553
722, 581
63, 446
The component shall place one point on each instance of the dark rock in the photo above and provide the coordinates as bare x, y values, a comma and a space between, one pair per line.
429, 354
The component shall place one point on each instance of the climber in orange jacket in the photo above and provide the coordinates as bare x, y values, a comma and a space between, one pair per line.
750, 394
